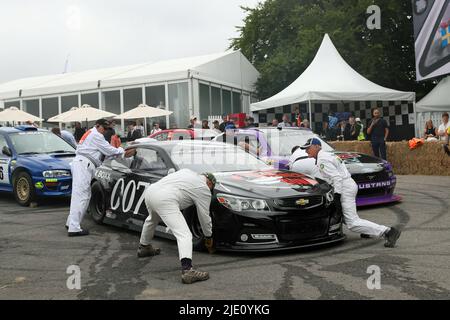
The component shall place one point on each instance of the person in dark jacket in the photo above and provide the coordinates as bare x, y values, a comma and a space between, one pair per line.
110, 131
378, 130
79, 132
133, 132
351, 131
224, 124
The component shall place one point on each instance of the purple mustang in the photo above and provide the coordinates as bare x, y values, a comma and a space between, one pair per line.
374, 176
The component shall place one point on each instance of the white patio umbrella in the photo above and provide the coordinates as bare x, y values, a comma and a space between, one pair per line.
143, 111
14, 114
83, 113
58, 117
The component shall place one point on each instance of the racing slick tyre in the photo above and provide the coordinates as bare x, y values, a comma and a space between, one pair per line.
198, 238
97, 205
23, 189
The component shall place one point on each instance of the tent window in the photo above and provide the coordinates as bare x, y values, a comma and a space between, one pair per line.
12, 104
216, 105
246, 104
31, 106
155, 96
90, 99
179, 104
226, 101
237, 108
68, 102
131, 98
204, 102
111, 101
49, 109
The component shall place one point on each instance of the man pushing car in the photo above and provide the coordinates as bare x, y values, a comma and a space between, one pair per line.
164, 200
335, 172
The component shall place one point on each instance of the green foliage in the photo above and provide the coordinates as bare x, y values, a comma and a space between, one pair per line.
281, 37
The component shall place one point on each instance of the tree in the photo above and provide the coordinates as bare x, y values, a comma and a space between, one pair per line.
281, 37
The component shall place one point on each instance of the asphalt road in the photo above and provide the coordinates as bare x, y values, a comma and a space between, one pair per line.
35, 254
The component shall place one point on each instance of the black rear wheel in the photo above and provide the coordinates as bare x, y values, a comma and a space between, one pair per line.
97, 205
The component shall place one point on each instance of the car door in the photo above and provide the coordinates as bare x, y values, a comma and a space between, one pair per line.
5, 161
145, 168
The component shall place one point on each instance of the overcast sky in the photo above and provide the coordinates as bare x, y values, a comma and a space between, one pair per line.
37, 36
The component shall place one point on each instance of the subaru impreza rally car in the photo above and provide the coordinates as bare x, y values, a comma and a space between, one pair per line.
34, 163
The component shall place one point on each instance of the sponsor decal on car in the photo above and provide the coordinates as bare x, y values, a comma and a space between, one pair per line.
273, 177
39, 185
103, 175
345, 156
369, 185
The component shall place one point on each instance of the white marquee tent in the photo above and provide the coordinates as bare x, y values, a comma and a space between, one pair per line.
219, 67
330, 78
434, 104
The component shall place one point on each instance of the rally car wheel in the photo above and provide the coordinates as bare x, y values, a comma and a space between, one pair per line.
23, 189
198, 238
97, 206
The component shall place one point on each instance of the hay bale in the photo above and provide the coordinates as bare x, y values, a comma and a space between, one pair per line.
429, 159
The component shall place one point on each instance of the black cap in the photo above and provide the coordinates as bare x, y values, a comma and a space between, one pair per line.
102, 122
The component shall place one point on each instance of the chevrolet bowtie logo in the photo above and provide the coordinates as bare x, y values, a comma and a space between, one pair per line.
302, 202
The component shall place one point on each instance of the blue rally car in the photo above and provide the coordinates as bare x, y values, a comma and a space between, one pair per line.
34, 163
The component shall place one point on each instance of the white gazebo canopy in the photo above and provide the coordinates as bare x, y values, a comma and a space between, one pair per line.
83, 113
14, 114
143, 111
330, 78
438, 99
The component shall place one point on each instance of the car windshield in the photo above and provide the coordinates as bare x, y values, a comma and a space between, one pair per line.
217, 157
282, 141
32, 142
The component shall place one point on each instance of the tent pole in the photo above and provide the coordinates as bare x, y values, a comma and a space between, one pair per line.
310, 115
416, 131
144, 134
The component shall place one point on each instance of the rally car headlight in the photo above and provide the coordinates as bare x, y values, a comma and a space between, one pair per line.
56, 173
242, 204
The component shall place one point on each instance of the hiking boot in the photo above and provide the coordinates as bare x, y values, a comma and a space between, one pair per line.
147, 251
192, 275
391, 237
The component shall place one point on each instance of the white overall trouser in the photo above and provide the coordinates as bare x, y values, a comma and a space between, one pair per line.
82, 174
352, 220
161, 205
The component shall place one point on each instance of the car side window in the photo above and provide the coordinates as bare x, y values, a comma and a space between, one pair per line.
148, 160
120, 163
181, 136
3, 143
161, 136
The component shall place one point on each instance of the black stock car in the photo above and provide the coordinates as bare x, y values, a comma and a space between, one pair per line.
254, 207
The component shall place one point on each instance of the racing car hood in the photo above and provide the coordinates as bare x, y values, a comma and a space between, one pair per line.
357, 163
42, 162
268, 184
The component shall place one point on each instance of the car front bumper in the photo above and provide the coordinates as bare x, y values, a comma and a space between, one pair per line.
52, 187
